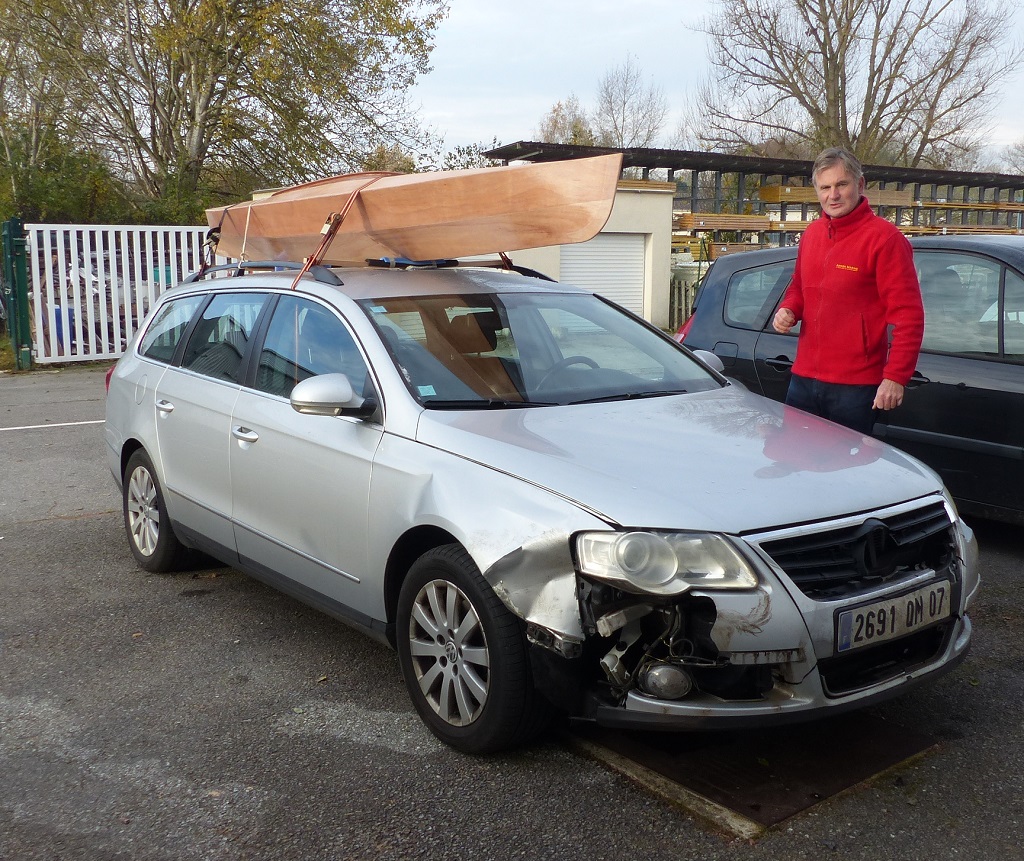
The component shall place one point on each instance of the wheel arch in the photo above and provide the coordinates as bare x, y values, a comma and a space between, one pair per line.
130, 446
410, 547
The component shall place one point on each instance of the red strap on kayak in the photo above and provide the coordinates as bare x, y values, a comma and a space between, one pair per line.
330, 229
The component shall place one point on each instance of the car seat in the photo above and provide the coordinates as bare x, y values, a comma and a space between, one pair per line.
470, 336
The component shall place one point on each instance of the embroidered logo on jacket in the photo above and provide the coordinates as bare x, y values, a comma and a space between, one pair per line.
847, 267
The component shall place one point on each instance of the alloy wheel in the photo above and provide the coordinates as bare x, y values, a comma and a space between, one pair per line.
449, 652
143, 512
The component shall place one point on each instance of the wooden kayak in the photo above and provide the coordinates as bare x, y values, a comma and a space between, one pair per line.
425, 216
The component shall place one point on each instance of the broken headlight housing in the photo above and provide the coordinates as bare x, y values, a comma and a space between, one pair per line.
663, 563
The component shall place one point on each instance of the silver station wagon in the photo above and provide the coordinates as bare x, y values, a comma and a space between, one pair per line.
543, 503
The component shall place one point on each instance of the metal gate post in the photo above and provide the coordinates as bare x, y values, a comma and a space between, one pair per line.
16, 292
16, 287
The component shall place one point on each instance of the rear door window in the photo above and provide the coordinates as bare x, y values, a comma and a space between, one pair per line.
960, 294
752, 294
165, 332
1013, 317
221, 336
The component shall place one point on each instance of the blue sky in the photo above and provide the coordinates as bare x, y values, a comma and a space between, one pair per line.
499, 66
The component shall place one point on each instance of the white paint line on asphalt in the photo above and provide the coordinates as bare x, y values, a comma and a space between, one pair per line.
59, 425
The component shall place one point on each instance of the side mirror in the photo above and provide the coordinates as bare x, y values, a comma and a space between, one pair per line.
710, 359
329, 395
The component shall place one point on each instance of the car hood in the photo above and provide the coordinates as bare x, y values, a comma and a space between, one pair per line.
726, 460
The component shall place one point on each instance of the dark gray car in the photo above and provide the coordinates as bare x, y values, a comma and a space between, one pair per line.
964, 411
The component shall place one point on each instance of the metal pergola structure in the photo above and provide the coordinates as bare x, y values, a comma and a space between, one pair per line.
919, 200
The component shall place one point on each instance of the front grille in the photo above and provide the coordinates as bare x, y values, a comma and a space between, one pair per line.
846, 561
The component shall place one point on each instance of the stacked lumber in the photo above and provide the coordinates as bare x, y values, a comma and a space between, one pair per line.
720, 221
987, 206
799, 194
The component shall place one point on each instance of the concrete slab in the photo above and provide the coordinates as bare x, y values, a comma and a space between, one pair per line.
747, 782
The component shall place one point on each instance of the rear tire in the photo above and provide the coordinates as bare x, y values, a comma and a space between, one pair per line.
150, 534
464, 656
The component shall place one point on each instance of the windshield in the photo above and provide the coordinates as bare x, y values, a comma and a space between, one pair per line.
528, 349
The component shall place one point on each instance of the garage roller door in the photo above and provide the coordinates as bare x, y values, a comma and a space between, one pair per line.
611, 264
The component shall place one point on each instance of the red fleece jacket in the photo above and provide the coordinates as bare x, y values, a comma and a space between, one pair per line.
854, 278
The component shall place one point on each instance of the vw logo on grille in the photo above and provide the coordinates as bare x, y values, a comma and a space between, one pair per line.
873, 551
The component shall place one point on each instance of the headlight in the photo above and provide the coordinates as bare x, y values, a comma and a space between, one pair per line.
664, 563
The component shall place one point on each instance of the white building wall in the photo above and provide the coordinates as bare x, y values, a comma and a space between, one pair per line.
640, 207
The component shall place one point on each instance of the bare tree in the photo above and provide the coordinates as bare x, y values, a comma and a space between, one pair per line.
629, 112
1013, 157
566, 123
907, 82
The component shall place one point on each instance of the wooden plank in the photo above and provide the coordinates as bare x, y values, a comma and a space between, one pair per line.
787, 194
990, 206
953, 229
426, 216
720, 221
800, 194
720, 249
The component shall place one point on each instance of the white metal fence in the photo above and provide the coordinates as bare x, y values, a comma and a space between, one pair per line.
90, 287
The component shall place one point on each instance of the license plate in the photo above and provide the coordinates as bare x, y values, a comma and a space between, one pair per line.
893, 617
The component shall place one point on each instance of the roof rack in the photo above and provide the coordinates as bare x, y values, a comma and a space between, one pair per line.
502, 262
326, 275
406, 263
320, 273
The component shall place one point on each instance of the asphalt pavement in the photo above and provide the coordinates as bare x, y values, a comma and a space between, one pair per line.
202, 716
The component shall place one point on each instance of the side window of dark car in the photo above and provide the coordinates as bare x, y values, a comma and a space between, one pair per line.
752, 294
305, 339
1013, 317
218, 342
960, 294
165, 332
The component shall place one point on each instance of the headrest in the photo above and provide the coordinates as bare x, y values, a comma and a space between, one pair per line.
474, 333
944, 282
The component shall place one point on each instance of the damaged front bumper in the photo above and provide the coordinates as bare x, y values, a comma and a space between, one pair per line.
782, 652
782, 703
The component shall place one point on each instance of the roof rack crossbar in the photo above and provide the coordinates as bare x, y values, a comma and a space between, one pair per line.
406, 263
320, 273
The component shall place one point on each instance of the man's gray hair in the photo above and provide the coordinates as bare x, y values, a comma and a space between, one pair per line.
835, 155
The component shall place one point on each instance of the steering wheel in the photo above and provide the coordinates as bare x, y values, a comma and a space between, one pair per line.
562, 365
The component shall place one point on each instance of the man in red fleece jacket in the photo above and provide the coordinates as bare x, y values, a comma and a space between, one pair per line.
854, 278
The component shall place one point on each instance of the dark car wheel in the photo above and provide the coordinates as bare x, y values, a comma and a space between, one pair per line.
463, 656
150, 535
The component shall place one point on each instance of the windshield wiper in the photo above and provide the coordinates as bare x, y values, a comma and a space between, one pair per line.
630, 396
479, 404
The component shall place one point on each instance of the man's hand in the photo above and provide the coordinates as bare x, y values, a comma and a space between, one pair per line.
784, 320
889, 396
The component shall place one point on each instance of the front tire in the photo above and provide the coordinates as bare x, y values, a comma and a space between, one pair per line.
150, 534
464, 656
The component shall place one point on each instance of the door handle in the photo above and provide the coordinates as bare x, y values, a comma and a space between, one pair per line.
244, 434
165, 406
780, 363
